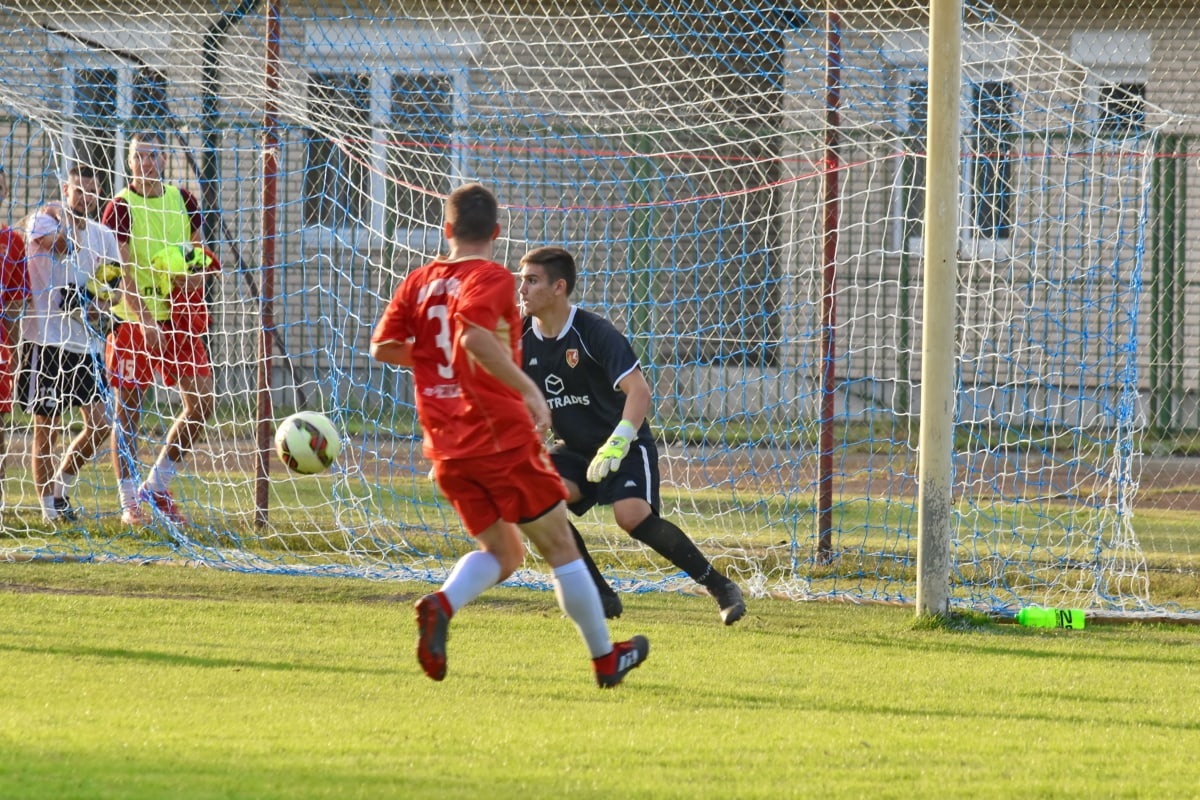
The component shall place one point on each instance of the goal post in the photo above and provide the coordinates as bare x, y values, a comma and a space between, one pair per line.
757, 194
935, 497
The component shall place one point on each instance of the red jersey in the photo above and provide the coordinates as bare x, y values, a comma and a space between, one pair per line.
13, 281
14, 288
464, 411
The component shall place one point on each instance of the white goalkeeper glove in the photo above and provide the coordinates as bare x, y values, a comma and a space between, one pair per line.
612, 453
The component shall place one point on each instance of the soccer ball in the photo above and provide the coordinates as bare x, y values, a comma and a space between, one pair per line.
307, 442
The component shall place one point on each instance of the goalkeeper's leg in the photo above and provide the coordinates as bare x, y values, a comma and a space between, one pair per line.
666, 539
608, 598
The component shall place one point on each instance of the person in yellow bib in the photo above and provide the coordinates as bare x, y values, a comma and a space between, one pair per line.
158, 232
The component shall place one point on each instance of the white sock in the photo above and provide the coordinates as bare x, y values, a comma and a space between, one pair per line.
161, 474
578, 597
48, 509
475, 573
63, 484
129, 493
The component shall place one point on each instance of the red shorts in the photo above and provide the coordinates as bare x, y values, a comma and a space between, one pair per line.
8, 365
131, 365
515, 486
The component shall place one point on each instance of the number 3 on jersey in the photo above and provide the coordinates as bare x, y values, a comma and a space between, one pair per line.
442, 339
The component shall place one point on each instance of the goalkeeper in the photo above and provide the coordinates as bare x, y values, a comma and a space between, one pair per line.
161, 318
598, 402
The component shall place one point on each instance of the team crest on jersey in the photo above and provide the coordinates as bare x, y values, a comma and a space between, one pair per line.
572, 358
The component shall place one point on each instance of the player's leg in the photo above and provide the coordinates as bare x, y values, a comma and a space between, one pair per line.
129, 367
577, 595
42, 461
186, 366
39, 392
10, 312
609, 599
500, 552
3, 452
661, 535
573, 471
633, 491
550, 532
81, 388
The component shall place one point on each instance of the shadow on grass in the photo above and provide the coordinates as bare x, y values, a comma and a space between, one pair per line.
177, 659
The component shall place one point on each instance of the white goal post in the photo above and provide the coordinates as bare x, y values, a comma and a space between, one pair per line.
935, 498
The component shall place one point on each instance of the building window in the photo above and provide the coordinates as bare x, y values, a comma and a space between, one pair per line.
419, 148
148, 103
380, 153
93, 137
1122, 108
1114, 86
337, 178
992, 129
102, 103
105, 96
342, 187
916, 142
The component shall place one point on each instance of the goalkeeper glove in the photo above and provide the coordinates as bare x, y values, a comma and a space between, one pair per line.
101, 285
183, 258
610, 456
71, 298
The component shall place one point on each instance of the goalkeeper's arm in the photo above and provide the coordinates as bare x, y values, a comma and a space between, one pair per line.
637, 404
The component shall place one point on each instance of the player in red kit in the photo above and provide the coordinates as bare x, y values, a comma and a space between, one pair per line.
455, 323
13, 291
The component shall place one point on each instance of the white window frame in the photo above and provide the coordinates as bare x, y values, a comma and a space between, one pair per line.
904, 89
1110, 57
910, 50
74, 56
332, 47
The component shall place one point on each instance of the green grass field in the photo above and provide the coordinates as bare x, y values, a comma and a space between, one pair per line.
150, 682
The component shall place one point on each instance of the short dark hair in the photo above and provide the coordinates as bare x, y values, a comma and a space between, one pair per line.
557, 262
82, 172
472, 213
146, 137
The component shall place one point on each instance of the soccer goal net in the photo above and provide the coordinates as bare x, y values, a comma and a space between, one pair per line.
743, 187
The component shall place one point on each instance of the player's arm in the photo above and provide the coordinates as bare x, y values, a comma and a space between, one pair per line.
128, 289
10, 313
637, 405
390, 341
116, 217
194, 277
637, 398
393, 352
497, 360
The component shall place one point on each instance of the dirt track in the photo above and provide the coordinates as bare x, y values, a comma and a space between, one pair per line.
1158, 482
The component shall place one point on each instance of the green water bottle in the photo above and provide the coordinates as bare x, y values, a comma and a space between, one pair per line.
1051, 618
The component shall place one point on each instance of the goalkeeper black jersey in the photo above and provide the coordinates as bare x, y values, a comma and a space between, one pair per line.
578, 372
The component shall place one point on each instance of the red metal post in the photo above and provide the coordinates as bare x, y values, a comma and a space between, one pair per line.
270, 177
830, 206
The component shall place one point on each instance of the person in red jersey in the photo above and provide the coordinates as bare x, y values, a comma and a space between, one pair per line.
13, 291
160, 322
454, 322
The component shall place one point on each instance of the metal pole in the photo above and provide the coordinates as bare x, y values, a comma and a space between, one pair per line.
831, 203
270, 178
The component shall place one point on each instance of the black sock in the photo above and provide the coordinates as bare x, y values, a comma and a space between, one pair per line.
598, 579
674, 545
